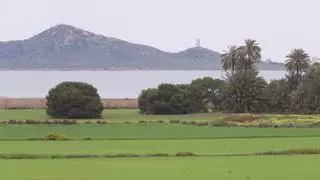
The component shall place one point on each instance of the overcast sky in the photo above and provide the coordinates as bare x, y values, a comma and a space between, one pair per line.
174, 25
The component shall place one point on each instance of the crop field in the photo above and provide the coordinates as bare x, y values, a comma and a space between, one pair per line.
226, 153
208, 168
198, 146
113, 115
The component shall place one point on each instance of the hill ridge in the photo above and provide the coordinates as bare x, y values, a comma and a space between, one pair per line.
67, 47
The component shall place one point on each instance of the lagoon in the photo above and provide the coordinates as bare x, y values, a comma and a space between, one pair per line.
110, 84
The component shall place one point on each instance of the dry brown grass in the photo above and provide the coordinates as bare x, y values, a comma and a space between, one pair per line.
24, 103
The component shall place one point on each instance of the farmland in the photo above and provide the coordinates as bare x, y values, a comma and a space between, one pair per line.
225, 168
221, 152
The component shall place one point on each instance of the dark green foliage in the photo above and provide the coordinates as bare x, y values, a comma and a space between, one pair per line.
74, 100
291, 152
56, 137
185, 154
279, 96
297, 63
210, 89
306, 99
245, 92
171, 99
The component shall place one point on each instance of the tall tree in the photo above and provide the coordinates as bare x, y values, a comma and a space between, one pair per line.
245, 92
306, 98
230, 58
250, 53
298, 61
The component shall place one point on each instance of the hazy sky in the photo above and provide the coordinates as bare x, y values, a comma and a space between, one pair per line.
174, 25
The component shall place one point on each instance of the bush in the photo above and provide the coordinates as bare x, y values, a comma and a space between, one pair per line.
306, 98
87, 139
102, 122
292, 152
185, 154
142, 122
33, 122
279, 95
171, 99
16, 122
160, 121
174, 121
74, 100
241, 118
64, 122
210, 90
57, 137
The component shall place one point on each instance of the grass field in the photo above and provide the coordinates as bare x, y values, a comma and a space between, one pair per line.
146, 131
115, 115
198, 146
222, 168
218, 147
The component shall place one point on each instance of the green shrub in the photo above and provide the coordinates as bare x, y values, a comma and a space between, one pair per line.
171, 99
74, 100
279, 96
57, 137
102, 122
16, 122
241, 118
219, 123
63, 122
210, 90
175, 121
202, 124
292, 152
160, 121
87, 139
34, 122
306, 98
185, 154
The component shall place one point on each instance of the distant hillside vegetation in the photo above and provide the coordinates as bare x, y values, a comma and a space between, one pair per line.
66, 47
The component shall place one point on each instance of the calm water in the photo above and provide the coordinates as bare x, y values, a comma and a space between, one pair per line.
110, 84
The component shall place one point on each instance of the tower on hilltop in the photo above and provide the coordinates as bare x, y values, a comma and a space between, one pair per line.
198, 43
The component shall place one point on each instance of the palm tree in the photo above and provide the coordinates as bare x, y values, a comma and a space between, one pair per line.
250, 54
230, 58
298, 62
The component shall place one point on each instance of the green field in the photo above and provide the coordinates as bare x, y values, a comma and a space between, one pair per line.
198, 146
219, 149
148, 131
108, 114
222, 168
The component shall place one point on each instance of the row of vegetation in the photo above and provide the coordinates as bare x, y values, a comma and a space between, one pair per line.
243, 91
178, 154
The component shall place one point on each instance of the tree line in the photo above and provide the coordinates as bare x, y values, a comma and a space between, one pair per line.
243, 91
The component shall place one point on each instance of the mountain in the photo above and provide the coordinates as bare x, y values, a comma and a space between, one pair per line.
66, 47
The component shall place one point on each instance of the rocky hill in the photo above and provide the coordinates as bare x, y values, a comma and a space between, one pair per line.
65, 47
